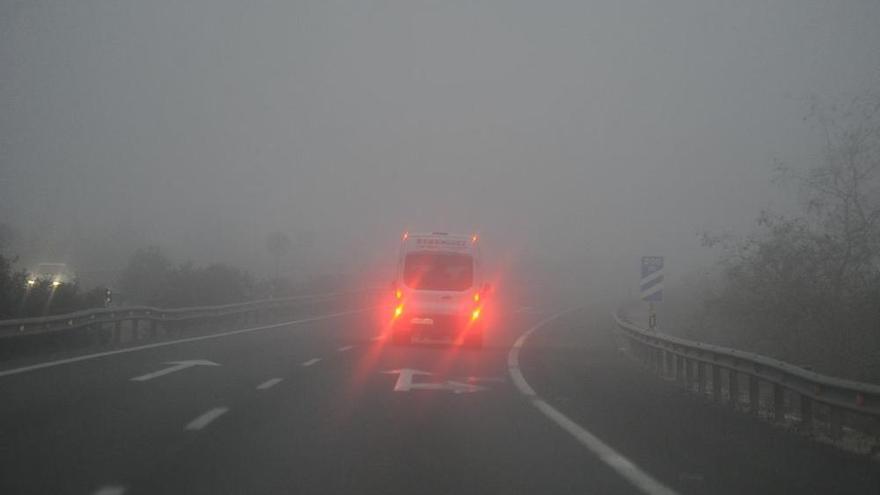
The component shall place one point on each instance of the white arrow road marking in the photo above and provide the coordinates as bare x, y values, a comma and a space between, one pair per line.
404, 378
110, 490
311, 362
206, 418
344, 348
178, 365
405, 383
269, 383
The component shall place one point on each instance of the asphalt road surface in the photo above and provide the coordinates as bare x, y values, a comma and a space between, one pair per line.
325, 404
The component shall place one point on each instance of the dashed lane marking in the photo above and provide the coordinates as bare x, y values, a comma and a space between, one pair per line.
311, 361
269, 383
50, 364
206, 418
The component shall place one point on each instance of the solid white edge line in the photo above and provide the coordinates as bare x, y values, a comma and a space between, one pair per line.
206, 418
311, 361
269, 383
110, 490
50, 364
620, 464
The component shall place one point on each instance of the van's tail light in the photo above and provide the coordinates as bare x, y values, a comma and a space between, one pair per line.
398, 310
475, 314
398, 294
476, 297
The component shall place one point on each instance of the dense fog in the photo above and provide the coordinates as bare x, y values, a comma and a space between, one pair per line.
575, 137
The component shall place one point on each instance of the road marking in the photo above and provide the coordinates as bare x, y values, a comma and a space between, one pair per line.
311, 361
178, 365
494, 379
51, 364
345, 348
269, 383
206, 418
620, 464
405, 383
110, 490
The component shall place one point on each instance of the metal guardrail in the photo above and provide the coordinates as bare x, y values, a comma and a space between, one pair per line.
700, 367
99, 318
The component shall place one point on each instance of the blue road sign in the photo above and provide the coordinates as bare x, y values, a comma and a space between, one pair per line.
651, 283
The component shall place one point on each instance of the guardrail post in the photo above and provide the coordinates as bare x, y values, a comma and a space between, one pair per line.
733, 387
678, 359
701, 377
686, 372
665, 363
676, 365
154, 329
657, 356
806, 412
117, 332
716, 383
754, 396
778, 403
836, 421
679, 368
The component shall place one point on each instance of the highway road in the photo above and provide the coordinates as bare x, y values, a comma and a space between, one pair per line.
325, 404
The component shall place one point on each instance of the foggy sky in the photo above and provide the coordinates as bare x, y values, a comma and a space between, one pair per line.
572, 132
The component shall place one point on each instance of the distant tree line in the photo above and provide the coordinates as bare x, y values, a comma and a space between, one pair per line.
806, 287
148, 278
152, 279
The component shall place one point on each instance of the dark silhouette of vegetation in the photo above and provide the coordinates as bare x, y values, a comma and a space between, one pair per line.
150, 278
215, 284
145, 277
806, 287
11, 288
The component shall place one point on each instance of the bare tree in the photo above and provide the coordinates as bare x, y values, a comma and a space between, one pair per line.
808, 286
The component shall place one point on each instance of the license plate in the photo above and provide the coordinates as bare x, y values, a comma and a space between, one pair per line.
422, 321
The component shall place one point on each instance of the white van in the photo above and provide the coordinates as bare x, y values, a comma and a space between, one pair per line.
439, 290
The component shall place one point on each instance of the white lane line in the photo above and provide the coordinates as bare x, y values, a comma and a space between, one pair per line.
269, 383
206, 418
620, 464
110, 490
178, 366
50, 364
345, 348
311, 362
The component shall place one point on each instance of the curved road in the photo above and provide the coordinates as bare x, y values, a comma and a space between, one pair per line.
325, 404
